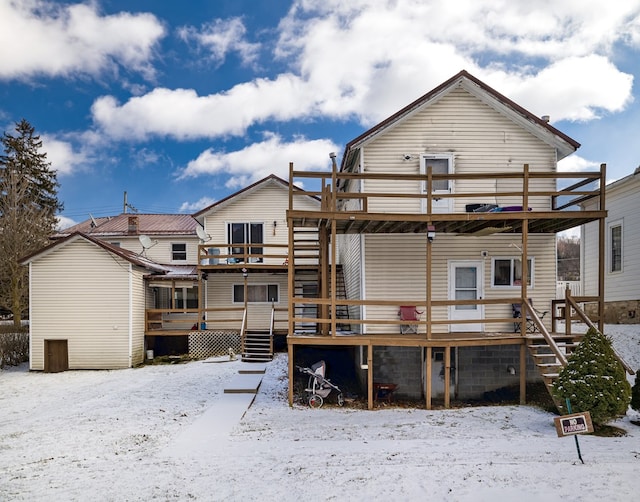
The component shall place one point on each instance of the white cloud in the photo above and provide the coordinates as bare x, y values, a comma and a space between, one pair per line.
220, 37
46, 38
368, 59
182, 114
259, 160
193, 207
64, 222
575, 163
62, 156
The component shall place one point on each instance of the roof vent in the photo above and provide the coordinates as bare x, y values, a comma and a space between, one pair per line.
545, 118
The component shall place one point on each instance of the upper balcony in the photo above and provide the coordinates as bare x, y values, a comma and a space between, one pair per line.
479, 203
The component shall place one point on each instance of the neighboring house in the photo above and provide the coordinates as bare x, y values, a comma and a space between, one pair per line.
426, 211
621, 257
109, 289
87, 305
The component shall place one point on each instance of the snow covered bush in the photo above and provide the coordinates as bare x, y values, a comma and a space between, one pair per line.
635, 393
594, 380
14, 347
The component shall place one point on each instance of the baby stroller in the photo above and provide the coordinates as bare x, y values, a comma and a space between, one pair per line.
319, 387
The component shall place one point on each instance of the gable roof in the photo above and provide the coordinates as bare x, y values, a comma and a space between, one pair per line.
156, 225
130, 256
540, 128
272, 179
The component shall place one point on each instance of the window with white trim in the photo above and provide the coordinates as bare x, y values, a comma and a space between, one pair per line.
615, 247
440, 164
256, 293
179, 251
507, 272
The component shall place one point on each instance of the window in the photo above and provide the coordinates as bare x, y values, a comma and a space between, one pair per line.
440, 164
179, 251
256, 293
186, 298
507, 272
116, 244
245, 233
615, 244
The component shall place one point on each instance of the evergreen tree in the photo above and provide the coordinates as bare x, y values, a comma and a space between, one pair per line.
635, 393
28, 208
594, 380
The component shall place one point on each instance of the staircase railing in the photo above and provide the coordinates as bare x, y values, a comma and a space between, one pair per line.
547, 336
243, 330
271, 326
585, 319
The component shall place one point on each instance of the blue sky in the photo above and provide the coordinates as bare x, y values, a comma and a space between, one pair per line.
182, 103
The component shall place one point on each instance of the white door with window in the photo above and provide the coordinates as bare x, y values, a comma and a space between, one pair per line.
465, 283
440, 164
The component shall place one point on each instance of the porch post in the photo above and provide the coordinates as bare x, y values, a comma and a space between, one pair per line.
523, 374
524, 312
447, 376
290, 365
601, 247
427, 379
370, 376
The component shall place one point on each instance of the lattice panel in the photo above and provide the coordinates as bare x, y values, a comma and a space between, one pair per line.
203, 344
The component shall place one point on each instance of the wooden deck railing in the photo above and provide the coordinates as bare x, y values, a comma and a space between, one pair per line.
240, 255
533, 184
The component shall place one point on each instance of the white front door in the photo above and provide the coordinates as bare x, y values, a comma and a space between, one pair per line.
465, 283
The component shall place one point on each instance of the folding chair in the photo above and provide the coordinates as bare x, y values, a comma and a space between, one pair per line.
516, 309
409, 313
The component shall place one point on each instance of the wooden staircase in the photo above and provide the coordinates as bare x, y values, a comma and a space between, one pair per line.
547, 361
257, 346
342, 311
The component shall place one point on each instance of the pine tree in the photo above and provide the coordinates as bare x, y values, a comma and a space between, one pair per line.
594, 380
635, 393
28, 208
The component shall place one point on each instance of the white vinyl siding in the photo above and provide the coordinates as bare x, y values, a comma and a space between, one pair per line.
93, 315
350, 256
623, 203
265, 204
451, 125
161, 252
220, 295
395, 269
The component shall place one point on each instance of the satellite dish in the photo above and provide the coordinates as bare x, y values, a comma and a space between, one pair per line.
202, 235
146, 242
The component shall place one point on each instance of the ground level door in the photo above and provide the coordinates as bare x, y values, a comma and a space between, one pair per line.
56, 356
465, 283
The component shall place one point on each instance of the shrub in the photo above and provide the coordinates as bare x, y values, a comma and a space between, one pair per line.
14, 346
594, 380
635, 393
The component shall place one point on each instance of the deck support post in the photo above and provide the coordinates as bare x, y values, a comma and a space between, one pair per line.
523, 374
601, 247
447, 377
427, 377
370, 377
290, 364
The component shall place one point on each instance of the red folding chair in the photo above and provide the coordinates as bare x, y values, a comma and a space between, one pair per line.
409, 313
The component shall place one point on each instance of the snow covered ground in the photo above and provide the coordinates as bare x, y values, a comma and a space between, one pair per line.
115, 436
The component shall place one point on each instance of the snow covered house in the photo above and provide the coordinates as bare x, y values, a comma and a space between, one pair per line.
108, 290
447, 210
621, 244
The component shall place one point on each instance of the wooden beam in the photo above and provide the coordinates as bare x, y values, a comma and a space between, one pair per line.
523, 374
602, 237
427, 378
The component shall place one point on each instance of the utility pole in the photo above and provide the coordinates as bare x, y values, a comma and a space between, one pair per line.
126, 205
